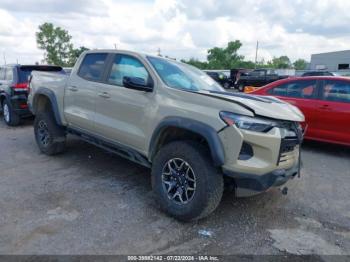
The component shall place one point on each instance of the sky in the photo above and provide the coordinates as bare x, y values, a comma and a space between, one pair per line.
180, 28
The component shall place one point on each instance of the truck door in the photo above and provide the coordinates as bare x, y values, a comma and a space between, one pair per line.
121, 113
80, 93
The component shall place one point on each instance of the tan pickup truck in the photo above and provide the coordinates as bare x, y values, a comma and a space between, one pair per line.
174, 119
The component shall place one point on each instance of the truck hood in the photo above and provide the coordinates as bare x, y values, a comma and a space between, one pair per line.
266, 106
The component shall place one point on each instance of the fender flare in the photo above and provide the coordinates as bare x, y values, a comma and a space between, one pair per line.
200, 128
52, 98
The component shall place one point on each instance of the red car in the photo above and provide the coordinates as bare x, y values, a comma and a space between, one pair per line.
324, 100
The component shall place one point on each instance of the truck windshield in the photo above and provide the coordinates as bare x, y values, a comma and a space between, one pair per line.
182, 76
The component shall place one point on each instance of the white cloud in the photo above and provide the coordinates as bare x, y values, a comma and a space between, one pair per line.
180, 28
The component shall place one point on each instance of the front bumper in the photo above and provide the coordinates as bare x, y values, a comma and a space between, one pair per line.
274, 158
250, 185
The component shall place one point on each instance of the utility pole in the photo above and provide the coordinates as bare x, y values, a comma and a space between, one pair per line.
4, 57
159, 52
256, 53
115, 46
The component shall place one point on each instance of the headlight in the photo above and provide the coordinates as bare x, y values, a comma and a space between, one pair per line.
248, 123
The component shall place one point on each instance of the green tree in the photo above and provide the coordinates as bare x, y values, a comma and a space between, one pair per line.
246, 64
282, 62
197, 63
225, 58
56, 42
300, 64
228, 58
74, 55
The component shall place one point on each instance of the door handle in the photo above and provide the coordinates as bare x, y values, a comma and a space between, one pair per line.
104, 95
292, 102
73, 88
324, 107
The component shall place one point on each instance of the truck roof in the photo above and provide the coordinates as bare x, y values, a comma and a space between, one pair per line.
127, 52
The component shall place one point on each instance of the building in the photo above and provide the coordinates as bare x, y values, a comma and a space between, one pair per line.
332, 61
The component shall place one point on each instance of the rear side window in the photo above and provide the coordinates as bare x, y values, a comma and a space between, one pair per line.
258, 73
2, 73
92, 66
337, 91
297, 89
9, 74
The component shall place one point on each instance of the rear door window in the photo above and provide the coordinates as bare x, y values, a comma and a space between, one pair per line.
93, 66
337, 91
297, 89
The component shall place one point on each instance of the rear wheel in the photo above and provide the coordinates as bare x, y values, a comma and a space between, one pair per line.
186, 183
49, 136
10, 116
226, 85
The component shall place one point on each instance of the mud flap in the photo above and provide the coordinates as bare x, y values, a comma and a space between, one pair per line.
301, 134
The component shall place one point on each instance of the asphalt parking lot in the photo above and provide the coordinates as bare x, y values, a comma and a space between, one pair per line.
88, 201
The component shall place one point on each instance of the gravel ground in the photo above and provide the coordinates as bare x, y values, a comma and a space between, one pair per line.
88, 201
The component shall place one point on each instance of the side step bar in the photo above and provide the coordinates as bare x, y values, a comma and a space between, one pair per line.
113, 147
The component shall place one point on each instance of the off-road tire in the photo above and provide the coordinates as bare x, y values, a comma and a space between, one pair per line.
11, 118
56, 140
209, 180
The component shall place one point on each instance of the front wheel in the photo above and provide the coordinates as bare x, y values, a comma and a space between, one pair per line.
49, 136
185, 181
241, 87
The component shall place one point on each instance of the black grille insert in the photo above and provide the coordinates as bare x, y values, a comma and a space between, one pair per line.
246, 152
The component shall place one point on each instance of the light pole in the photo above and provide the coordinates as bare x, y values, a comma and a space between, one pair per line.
256, 53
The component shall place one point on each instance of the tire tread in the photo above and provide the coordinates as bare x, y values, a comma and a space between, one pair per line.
57, 133
213, 182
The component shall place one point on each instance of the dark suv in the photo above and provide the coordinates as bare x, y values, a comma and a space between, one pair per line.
14, 90
220, 77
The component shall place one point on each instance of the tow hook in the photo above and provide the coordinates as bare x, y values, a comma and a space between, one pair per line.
284, 190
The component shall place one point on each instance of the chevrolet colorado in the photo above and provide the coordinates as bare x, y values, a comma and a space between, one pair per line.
174, 119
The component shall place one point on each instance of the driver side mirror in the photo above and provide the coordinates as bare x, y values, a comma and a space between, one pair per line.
137, 83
